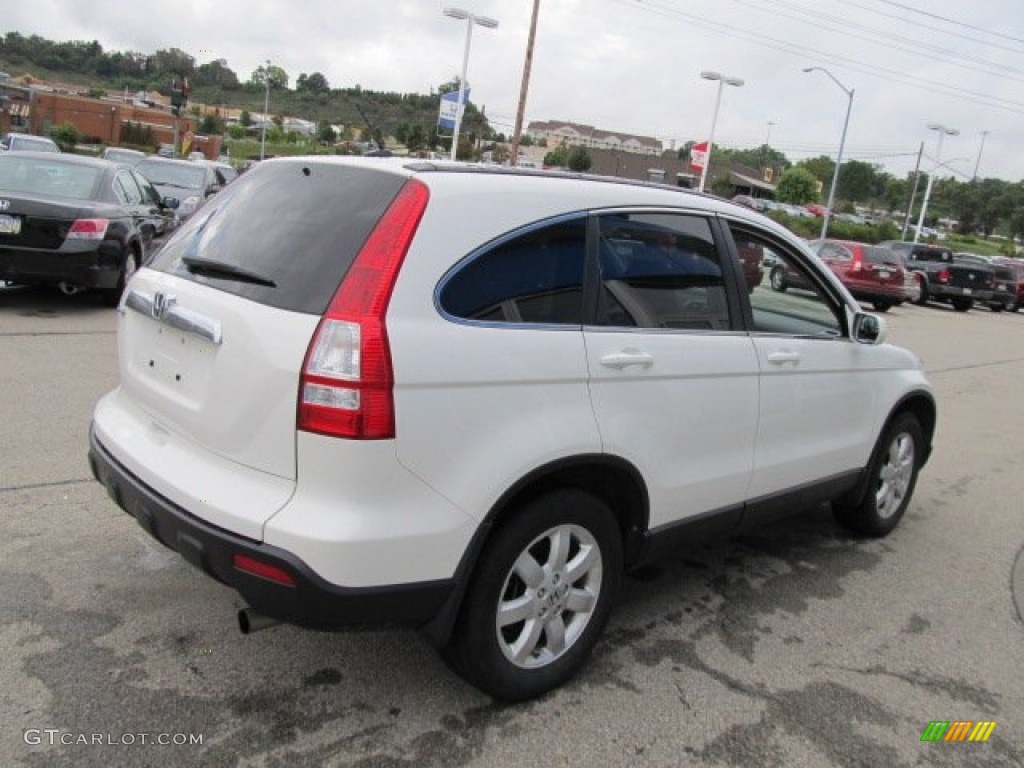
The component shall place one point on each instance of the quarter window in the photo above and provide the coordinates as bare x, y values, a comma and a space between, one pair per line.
536, 277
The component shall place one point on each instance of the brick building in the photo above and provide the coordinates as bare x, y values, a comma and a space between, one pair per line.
99, 121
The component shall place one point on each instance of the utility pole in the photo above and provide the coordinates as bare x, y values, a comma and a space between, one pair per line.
520, 112
978, 162
913, 194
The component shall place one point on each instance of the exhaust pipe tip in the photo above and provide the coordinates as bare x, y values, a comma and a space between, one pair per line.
250, 621
68, 289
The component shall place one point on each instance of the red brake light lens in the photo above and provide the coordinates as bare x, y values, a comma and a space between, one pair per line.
347, 380
88, 229
943, 276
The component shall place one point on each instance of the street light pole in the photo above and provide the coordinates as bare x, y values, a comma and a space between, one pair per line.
471, 19
722, 81
943, 132
842, 144
266, 109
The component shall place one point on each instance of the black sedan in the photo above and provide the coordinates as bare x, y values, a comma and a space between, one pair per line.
76, 222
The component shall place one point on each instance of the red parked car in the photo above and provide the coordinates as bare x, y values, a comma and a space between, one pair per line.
871, 273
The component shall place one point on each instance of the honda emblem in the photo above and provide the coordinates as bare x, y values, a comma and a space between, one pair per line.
161, 303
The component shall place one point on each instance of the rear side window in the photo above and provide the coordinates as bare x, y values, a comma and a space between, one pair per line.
660, 270
296, 225
536, 277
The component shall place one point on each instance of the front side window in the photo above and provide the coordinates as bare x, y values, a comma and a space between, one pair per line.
796, 305
660, 270
535, 277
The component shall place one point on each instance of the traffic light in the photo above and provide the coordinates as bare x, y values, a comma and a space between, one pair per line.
179, 96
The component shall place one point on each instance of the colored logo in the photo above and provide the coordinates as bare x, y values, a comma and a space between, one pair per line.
958, 730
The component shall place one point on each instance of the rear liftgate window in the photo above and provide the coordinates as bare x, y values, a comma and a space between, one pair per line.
291, 230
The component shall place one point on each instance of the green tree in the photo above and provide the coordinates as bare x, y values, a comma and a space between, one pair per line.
216, 73
797, 185
325, 132
859, 181
277, 76
315, 83
896, 194
579, 159
66, 135
820, 167
211, 125
558, 156
245, 119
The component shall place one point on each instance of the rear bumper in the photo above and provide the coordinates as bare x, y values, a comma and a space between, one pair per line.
312, 602
96, 268
946, 291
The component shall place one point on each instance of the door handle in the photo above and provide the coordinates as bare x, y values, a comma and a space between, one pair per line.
626, 358
784, 356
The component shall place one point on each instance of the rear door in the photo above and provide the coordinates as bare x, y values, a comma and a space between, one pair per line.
673, 378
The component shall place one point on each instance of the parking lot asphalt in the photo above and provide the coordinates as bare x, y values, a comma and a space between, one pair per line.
796, 645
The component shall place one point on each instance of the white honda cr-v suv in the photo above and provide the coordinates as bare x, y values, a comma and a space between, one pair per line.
377, 391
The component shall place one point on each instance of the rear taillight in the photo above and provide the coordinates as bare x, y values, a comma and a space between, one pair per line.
943, 276
346, 384
88, 229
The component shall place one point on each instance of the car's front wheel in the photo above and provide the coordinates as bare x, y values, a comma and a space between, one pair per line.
881, 306
962, 305
892, 476
540, 596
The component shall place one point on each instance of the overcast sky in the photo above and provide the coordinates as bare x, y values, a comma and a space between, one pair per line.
634, 65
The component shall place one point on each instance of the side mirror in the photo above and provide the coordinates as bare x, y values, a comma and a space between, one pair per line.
869, 329
170, 202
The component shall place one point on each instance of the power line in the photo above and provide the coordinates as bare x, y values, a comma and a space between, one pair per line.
877, 37
952, 21
804, 52
921, 25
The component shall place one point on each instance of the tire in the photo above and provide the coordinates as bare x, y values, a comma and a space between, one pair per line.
531, 615
881, 306
997, 307
1013, 306
892, 476
961, 305
112, 296
778, 279
922, 299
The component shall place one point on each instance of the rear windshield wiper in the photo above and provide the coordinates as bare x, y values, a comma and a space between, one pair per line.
218, 269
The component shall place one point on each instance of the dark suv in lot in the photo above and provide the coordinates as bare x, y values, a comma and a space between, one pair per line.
1004, 287
943, 278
